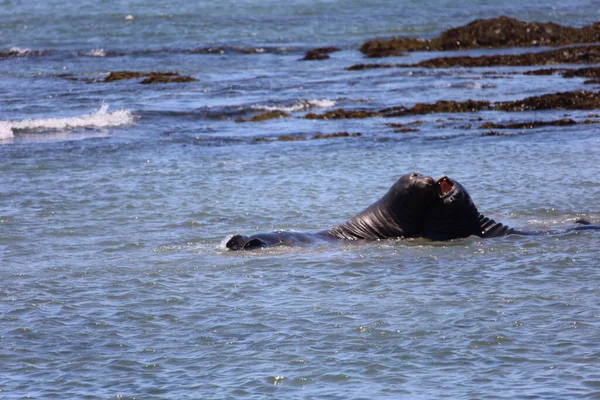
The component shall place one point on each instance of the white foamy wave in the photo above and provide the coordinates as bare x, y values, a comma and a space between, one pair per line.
24, 52
96, 53
301, 105
19, 52
99, 119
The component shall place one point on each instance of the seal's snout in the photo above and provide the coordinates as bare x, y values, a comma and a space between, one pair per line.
444, 186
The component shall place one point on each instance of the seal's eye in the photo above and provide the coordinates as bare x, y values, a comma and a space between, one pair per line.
445, 186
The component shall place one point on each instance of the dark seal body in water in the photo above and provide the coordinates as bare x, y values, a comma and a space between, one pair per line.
415, 206
453, 215
400, 213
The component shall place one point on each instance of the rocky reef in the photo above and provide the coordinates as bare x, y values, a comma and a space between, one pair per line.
501, 32
343, 114
149, 77
567, 55
573, 100
265, 116
321, 53
297, 138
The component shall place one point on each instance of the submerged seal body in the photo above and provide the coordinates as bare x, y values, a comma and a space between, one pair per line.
398, 214
415, 206
453, 215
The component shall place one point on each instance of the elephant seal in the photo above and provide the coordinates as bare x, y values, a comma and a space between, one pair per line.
453, 215
415, 206
400, 213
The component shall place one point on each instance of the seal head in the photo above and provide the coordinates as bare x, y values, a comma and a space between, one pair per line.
452, 214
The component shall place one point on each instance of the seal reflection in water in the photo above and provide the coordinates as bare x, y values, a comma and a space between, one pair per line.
415, 206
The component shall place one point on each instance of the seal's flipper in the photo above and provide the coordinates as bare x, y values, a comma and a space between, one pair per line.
237, 242
255, 244
490, 228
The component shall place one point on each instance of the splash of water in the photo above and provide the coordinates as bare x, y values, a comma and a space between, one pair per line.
101, 118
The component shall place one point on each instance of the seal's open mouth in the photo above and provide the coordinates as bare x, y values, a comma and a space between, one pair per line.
444, 185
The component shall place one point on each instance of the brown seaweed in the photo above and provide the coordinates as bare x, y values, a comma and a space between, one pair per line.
501, 32
574, 100
122, 75
149, 77
343, 114
528, 124
322, 53
317, 136
265, 116
159, 77
569, 55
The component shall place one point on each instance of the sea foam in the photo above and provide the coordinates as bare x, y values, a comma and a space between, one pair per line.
300, 105
99, 119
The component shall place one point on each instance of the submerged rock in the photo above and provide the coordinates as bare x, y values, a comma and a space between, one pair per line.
593, 72
265, 116
528, 124
360, 67
343, 114
335, 135
321, 53
149, 77
575, 100
487, 33
122, 75
568, 55
289, 138
442, 106
169, 77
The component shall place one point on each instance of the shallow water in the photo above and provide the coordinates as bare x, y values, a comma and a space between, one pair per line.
116, 199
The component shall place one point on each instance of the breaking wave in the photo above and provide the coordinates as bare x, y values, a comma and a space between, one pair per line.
99, 119
300, 105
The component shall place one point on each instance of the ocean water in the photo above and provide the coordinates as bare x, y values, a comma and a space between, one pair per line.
116, 199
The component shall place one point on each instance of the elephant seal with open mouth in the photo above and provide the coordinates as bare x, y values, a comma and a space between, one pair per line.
415, 206
400, 213
453, 215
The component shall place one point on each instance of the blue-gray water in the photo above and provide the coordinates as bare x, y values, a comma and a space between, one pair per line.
116, 197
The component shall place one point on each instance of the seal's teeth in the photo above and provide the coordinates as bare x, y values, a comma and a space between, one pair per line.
445, 187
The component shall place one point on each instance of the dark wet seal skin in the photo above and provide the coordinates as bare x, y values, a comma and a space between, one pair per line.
415, 206
453, 215
398, 214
